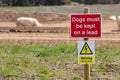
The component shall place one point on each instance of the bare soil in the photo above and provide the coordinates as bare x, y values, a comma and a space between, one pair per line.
8, 18
11, 16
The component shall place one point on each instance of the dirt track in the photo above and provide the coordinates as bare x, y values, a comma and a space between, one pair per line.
108, 32
54, 36
50, 20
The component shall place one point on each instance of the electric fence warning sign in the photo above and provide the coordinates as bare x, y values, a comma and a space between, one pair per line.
86, 53
86, 49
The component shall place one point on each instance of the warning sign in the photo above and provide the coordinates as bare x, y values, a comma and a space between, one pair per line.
86, 59
86, 49
86, 52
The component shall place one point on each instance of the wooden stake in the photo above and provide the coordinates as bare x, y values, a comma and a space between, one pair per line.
86, 72
86, 66
86, 10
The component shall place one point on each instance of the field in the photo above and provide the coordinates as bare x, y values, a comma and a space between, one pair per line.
53, 56
55, 63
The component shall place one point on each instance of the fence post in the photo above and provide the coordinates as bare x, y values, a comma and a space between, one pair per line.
86, 66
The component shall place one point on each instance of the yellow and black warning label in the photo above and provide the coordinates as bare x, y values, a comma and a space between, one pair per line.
86, 49
86, 59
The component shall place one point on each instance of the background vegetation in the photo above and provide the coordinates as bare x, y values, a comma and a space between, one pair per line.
53, 2
105, 10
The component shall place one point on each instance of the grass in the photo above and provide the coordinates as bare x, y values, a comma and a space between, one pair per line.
51, 63
106, 10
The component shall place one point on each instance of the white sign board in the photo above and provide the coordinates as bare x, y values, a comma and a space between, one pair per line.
86, 52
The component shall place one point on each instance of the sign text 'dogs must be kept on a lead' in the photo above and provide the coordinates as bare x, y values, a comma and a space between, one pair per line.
86, 25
